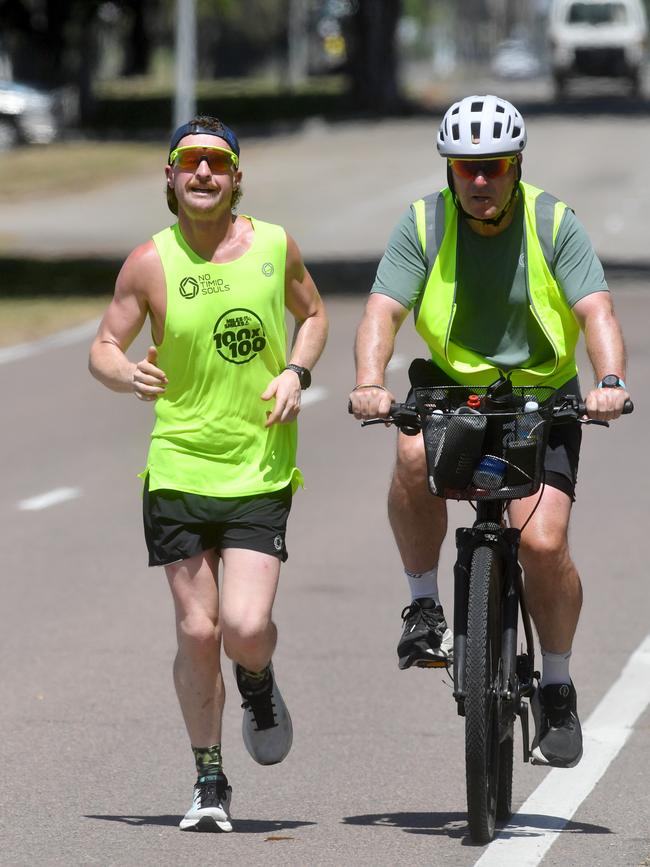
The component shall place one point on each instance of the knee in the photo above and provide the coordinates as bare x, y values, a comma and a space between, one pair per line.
544, 550
198, 635
244, 635
410, 464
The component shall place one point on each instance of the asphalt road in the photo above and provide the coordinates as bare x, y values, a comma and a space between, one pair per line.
95, 765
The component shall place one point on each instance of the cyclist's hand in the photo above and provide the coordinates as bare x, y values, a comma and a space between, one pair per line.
371, 402
148, 380
285, 388
605, 404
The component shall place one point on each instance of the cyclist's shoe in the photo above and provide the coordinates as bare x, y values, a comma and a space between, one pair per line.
210, 810
266, 727
558, 736
426, 641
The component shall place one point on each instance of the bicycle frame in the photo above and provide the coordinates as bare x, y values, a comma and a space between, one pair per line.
518, 669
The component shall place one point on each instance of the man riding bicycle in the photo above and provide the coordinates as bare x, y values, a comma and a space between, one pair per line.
502, 278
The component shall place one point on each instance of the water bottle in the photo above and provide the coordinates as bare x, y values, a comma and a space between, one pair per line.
489, 473
530, 420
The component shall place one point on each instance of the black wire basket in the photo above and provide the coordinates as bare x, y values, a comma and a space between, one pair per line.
478, 448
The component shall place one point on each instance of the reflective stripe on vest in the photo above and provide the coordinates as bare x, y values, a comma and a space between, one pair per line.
437, 227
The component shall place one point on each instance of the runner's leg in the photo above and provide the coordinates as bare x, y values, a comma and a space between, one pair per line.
197, 668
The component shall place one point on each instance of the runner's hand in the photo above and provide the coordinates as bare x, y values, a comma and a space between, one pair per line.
285, 388
148, 380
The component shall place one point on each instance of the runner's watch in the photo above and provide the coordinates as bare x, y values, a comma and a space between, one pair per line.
303, 374
612, 381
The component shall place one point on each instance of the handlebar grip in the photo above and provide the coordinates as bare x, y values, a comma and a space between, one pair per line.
628, 407
350, 407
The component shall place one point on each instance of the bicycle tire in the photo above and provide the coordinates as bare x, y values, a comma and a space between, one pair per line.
482, 688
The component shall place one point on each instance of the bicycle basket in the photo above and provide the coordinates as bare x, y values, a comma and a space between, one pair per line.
475, 454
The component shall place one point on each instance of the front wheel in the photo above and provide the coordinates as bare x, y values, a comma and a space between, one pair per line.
484, 751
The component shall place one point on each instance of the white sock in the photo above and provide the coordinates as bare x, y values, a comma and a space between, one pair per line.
424, 584
555, 668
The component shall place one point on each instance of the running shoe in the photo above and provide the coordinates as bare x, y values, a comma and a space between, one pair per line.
558, 736
426, 641
266, 726
210, 810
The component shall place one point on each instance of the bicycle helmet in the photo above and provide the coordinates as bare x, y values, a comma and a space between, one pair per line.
481, 126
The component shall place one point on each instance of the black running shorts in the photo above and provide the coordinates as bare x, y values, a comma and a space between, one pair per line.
179, 525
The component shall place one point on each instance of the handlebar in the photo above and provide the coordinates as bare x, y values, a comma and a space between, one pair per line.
568, 409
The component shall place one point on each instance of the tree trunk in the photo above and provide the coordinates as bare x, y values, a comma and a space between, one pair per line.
373, 62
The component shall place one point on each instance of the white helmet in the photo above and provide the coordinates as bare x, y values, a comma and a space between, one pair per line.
481, 126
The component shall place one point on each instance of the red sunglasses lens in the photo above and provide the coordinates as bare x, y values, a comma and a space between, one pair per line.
469, 169
188, 160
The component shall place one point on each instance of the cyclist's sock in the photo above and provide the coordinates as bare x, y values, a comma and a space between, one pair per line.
424, 584
555, 668
208, 759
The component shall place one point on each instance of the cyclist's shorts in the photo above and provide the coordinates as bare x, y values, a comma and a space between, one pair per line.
563, 450
178, 525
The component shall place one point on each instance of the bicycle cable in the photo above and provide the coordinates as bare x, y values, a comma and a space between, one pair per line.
536, 506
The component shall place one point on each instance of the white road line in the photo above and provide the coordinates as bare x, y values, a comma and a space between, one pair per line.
531, 832
51, 498
313, 395
61, 338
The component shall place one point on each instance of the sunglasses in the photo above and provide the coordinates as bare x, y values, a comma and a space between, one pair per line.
469, 169
189, 158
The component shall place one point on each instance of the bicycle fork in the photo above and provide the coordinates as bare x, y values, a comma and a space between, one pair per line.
517, 669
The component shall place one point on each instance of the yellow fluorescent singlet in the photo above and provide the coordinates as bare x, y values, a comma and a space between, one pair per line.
224, 341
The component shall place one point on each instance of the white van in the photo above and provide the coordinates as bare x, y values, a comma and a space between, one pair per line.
597, 38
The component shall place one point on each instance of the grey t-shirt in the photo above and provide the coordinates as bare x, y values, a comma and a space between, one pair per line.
493, 317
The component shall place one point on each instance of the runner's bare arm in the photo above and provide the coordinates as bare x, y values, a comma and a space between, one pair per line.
120, 325
307, 308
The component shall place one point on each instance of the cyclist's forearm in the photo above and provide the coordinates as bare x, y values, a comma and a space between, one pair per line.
603, 335
373, 348
605, 345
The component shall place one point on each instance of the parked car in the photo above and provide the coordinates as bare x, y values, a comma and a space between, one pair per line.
27, 115
597, 38
516, 58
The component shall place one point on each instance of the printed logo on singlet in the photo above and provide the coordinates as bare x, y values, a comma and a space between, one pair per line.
206, 284
267, 269
277, 543
189, 288
239, 335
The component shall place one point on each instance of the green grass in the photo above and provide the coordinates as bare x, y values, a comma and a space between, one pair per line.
46, 170
25, 319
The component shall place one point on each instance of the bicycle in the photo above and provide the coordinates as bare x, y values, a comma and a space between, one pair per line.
487, 445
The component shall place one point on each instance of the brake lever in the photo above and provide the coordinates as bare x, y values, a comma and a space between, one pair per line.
367, 421
593, 421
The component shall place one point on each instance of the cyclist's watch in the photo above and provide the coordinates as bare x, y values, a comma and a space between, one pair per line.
612, 381
303, 374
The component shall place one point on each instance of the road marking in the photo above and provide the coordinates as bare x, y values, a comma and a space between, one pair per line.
51, 498
61, 338
313, 395
531, 832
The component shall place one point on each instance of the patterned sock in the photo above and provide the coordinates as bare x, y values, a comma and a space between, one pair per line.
254, 680
424, 584
555, 668
208, 760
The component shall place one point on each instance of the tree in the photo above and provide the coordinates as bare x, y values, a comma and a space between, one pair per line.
373, 56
